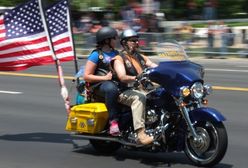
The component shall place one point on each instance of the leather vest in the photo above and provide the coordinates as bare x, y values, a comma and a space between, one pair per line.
130, 69
103, 65
102, 68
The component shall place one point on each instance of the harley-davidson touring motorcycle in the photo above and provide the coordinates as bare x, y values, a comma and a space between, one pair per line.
177, 114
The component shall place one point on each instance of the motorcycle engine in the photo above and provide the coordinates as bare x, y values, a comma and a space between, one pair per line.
151, 116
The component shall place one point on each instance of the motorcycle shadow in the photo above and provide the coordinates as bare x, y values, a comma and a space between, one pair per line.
39, 137
151, 159
146, 158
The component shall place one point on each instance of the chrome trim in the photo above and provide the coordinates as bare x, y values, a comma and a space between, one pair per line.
185, 113
104, 138
194, 89
208, 89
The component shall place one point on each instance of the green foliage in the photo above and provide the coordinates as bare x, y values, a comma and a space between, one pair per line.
11, 3
173, 9
230, 9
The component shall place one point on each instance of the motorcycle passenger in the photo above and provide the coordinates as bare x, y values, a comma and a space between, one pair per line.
98, 74
127, 65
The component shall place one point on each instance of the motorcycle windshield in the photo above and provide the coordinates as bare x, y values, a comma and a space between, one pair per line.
175, 70
170, 50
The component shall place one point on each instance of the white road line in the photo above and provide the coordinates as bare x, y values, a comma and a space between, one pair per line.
226, 70
242, 66
9, 92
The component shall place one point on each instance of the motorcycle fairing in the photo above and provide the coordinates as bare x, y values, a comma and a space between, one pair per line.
206, 114
174, 74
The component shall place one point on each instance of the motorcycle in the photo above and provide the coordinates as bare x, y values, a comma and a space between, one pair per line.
177, 114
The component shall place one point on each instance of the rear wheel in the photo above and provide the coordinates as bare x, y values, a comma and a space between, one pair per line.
106, 147
211, 145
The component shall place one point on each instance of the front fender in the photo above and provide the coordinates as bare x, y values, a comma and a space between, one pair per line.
206, 114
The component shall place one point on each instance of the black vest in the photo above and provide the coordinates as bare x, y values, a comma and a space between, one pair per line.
130, 69
102, 67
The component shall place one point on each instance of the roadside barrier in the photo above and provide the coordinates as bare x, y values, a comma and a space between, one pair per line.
196, 44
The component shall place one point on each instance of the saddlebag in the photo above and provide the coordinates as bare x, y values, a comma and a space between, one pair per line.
87, 118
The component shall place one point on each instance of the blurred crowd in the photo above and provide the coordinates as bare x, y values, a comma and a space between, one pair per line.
142, 17
209, 10
139, 17
147, 19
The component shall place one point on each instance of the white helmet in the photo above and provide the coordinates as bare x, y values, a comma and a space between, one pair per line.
127, 34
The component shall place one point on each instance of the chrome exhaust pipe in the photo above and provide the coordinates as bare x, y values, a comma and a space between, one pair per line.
105, 138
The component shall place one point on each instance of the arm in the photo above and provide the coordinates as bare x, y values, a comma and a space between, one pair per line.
121, 72
89, 76
149, 63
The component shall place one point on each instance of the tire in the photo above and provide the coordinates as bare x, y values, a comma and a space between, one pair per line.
105, 147
212, 147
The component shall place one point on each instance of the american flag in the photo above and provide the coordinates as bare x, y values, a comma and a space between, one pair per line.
23, 41
58, 21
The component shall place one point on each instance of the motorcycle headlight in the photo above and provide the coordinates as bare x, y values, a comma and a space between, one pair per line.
197, 90
208, 89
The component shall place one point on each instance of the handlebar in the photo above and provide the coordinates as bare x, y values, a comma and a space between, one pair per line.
142, 78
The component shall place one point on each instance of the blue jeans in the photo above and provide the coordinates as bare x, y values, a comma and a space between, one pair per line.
110, 92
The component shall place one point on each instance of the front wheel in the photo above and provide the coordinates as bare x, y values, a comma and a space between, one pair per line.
105, 147
210, 146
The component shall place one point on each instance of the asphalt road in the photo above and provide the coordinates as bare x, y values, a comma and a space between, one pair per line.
33, 118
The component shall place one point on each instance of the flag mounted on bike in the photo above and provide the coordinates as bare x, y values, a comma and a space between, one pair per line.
58, 23
24, 42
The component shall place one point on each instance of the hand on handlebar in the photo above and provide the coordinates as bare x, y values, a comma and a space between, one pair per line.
139, 78
142, 76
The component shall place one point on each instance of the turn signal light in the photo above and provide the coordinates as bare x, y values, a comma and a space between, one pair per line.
205, 102
185, 92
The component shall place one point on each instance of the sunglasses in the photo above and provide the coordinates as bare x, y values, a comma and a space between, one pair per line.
133, 40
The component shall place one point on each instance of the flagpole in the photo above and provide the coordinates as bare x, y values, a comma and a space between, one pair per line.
64, 92
47, 33
72, 40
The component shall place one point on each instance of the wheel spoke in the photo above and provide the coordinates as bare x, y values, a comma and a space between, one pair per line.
211, 145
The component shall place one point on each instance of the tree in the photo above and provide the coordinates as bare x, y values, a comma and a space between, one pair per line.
173, 9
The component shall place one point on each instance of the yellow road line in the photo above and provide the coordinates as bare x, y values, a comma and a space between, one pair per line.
230, 88
70, 78
33, 75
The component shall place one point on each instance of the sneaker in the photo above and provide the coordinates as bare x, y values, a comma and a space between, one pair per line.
114, 128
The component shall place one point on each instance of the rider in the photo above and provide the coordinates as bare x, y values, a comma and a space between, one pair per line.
128, 65
99, 61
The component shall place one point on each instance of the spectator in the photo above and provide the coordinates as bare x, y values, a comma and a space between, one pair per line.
186, 31
231, 36
211, 34
223, 31
209, 10
136, 25
128, 15
191, 9
143, 23
153, 24
95, 27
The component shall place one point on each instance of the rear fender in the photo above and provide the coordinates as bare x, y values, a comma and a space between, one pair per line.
206, 114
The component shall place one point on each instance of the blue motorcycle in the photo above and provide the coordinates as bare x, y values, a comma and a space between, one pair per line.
176, 114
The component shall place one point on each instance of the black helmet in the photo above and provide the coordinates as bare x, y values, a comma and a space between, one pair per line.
128, 33
105, 33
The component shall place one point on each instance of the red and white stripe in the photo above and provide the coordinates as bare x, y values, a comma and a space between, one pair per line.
2, 29
24, 52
